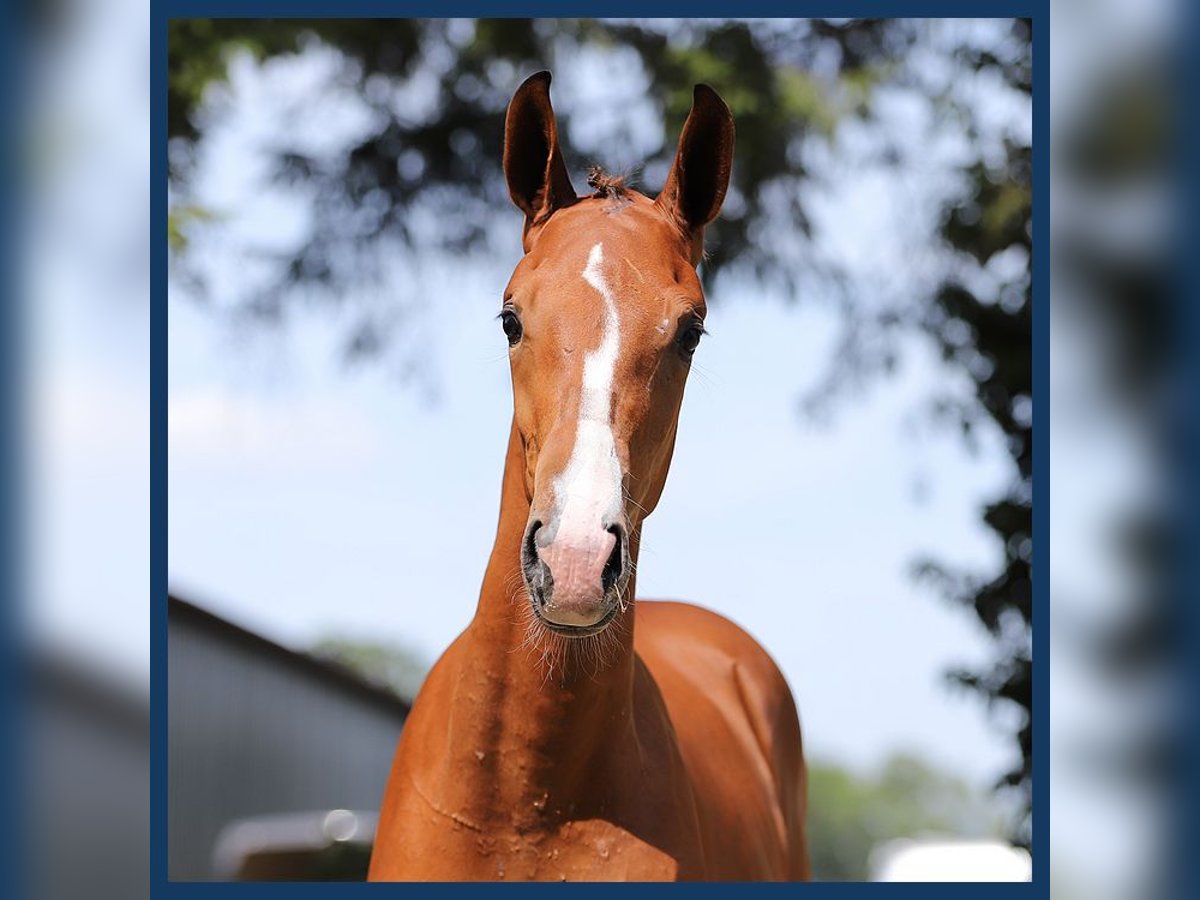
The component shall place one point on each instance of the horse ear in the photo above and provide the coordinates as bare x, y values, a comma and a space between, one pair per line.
699, 176
533, 164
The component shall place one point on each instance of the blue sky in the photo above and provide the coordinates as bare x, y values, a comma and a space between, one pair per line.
313, 503
292, 482
308, 500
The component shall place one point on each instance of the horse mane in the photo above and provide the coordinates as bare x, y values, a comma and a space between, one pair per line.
607, 185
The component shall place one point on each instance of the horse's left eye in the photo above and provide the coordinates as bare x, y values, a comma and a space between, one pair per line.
511, 325
689, 338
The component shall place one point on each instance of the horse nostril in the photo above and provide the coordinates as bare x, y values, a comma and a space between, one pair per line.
537, 578
615, 565
529, 552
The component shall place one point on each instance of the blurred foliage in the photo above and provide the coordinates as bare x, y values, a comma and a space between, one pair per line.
788, 83
986, 332
1117, 151
850, 814
781, 82
395, 666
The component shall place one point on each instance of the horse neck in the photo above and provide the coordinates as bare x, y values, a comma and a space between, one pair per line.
549, 726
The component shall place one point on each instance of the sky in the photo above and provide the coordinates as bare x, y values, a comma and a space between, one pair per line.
296, 486
318, 504
85, 350
308, 500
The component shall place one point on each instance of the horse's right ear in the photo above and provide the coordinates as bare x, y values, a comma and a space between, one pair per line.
533, 164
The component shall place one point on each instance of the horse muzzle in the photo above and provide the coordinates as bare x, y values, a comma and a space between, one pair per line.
575, 581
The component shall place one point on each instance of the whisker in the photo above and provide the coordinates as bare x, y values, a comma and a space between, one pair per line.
629, 499
555, 655
708, 379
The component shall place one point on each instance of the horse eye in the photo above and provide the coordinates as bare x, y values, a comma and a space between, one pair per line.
511, 325
689, 338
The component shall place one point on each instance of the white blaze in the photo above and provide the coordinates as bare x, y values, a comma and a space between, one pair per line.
598, 366
588, 491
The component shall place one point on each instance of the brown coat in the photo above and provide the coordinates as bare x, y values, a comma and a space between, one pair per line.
555, 740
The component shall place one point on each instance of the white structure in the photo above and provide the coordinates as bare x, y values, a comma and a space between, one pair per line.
949, 860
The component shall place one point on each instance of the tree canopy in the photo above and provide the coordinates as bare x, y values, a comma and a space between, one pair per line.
852, 813
421, 170
399, 668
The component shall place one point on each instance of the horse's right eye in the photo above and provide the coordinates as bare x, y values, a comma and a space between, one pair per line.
511, 325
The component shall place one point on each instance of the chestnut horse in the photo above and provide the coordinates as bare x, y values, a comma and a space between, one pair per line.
554, 740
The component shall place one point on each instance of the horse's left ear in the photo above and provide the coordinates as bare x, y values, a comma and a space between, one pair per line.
699, 176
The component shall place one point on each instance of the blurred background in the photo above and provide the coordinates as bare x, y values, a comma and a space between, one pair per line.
338, 237
339, 388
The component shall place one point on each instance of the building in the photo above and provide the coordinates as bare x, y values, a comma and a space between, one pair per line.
83, 757
260, 732
949, 859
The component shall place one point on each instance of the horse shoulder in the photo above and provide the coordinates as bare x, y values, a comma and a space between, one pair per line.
737, 727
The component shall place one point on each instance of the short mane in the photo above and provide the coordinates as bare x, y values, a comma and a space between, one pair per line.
607, 185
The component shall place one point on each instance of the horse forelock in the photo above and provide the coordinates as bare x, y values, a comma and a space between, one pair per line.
608, 185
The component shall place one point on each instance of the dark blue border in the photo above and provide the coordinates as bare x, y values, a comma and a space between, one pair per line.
1185, 73
158, 447
1041, 450
350, 9
160, 12
13, 674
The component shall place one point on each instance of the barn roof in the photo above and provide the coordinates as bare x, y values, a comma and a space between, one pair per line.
332, 673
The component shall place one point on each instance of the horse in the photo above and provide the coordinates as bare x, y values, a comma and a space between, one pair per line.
554, 740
